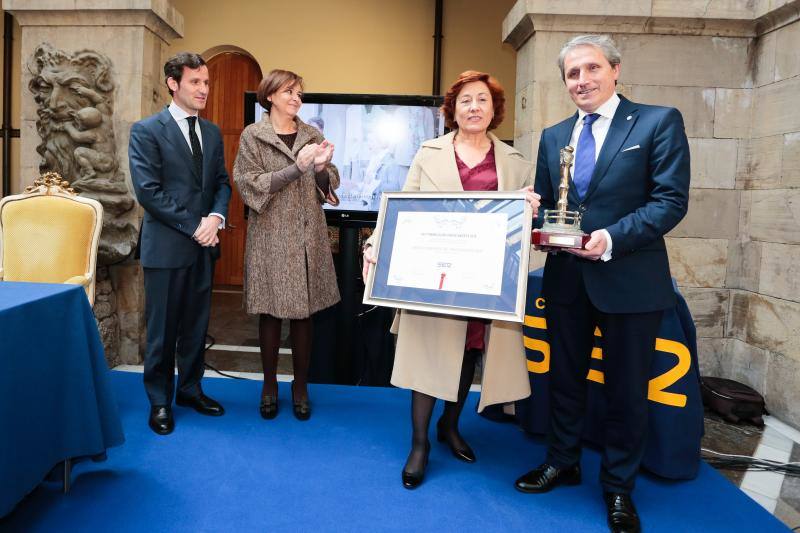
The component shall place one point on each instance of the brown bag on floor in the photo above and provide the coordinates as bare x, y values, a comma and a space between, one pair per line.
733, 401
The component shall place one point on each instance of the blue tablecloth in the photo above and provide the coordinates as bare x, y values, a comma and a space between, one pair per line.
676, 408
55, 397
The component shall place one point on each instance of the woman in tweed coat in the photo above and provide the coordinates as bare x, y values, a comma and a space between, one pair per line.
289, 274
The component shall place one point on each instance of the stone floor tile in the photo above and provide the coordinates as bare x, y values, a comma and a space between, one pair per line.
787, 514
724, 437
765, 483
777, 440
764, 501
790, 491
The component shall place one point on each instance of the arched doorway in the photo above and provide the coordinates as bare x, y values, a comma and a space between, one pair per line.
231, 74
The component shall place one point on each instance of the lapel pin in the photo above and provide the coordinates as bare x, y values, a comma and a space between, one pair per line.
629, 117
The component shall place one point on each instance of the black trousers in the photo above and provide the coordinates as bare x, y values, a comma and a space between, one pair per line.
177, 305
628, 342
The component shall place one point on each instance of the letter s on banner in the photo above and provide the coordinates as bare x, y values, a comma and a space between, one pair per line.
537, 345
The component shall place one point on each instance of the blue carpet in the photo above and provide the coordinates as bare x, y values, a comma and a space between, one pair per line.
340, 471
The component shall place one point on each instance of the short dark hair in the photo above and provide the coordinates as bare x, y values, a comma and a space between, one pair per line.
173, 68
495, 89
275, 80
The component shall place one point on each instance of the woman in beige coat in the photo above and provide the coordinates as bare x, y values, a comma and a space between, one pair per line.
282, 168
436, 354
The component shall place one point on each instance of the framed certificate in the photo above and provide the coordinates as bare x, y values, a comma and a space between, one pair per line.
461, 253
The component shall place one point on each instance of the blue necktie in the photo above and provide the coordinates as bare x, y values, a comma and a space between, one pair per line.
584, 158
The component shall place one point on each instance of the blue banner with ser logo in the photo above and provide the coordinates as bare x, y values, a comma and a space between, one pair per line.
675, 424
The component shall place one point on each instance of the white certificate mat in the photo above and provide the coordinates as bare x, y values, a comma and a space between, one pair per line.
460, 252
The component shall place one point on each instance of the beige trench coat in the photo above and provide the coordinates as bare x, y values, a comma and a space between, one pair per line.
430, 348
286, 230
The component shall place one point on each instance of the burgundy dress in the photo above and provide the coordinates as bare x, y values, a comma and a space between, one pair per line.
481, 177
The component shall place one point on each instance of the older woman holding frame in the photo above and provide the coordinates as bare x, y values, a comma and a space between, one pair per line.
436, 354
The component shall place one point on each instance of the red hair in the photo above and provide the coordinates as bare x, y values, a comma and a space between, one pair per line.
495, 89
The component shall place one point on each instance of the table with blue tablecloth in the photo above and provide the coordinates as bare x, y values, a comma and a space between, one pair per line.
55, 396
675, 423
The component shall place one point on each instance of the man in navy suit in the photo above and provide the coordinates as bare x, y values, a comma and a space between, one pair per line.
178, 172
631, 185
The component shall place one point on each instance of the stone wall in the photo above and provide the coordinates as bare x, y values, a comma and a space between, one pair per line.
762, 341
731, 68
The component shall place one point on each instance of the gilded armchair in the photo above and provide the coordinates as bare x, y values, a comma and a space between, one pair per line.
49, 234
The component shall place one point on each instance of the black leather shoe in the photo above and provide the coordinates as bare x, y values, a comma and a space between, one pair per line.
547, 477
464, 454
161, 420
202, 404
412, 480
301, 407
622, 516
268, 407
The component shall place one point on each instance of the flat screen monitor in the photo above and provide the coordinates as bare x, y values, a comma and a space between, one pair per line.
375, 138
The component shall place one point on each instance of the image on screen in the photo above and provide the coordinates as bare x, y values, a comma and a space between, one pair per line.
374, 145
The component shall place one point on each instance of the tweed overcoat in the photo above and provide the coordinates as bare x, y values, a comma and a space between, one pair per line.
288, 270
430, 348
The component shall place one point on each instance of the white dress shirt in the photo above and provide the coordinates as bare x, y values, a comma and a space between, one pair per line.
599, 132
180, 116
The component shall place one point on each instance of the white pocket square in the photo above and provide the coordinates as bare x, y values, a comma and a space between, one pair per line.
635, 147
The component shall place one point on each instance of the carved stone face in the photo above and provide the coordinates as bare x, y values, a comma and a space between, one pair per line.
74, 94
71, 91
64, 91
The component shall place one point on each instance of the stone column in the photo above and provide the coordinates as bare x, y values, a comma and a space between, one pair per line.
731, 69
89, 71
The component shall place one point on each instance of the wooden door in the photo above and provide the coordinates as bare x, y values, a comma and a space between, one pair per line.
231, 75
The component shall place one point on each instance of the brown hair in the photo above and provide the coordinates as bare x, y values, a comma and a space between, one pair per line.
495, 89
276, 79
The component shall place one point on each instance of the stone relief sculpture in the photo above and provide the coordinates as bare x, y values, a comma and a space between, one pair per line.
75, 98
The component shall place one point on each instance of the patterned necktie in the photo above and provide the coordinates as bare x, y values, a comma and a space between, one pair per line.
584, 158
197, 151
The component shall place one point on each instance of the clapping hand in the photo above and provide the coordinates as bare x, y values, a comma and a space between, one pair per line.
323, 155
306, 156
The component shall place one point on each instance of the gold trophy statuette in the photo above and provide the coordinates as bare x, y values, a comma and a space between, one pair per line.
561, 228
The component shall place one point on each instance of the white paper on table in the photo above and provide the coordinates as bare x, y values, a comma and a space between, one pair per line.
460, 252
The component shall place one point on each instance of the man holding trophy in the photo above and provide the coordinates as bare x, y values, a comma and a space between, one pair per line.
629, 165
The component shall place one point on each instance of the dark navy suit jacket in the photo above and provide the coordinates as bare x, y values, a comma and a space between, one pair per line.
637, 194
174, 198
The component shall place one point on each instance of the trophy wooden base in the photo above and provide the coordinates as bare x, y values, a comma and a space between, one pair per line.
555, 240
